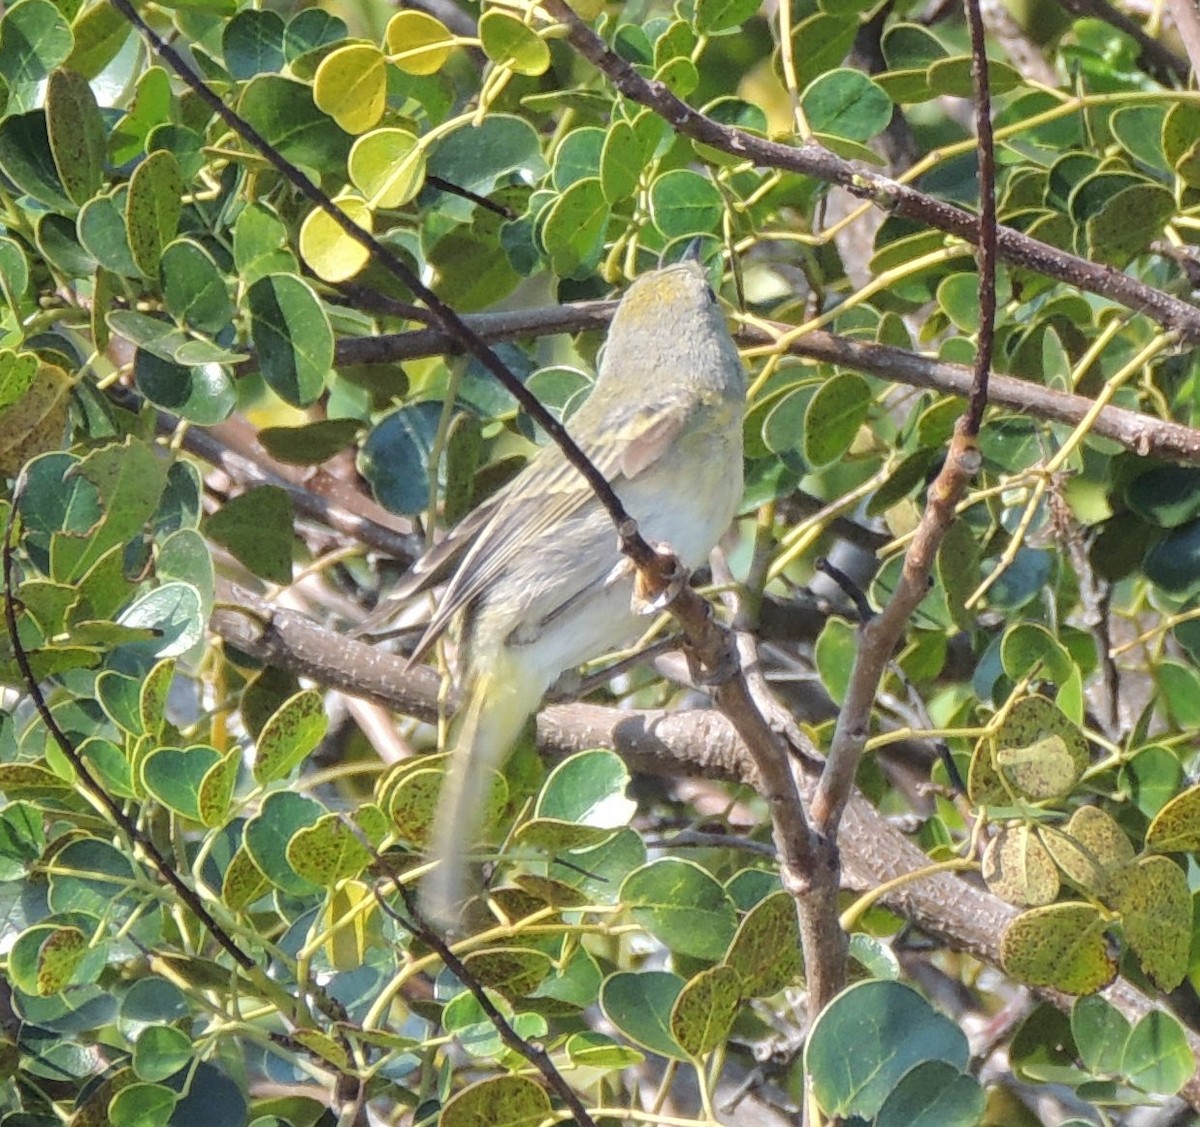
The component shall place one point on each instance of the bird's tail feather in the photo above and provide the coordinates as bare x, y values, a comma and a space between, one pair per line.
498, 703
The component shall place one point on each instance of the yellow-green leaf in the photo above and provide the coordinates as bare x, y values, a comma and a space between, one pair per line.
351, 86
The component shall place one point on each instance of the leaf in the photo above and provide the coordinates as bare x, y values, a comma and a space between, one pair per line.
715, 16
833, 417
153, 208
292, 336
682, 906
351, 86
499, 1101
683, 202
289, 736
846, 103
1176, 827
1155, 904
1018, 867
869, 1037
1039, 750
640, 1006
76, 133
418, 43
327, 852
256, 527
765, 952
704, 1011
332, 253
388, 167
1059, 945
512, 44
252, 43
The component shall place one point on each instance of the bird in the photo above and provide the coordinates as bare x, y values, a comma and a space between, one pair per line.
537, 583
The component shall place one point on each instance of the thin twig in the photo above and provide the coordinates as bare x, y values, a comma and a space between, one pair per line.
986, 242
415, 924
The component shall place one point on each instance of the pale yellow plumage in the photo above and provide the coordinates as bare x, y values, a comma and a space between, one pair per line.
541, 586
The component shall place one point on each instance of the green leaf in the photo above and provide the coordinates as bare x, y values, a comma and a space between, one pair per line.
499, 1101
26, 159
100, 31
1174, 562
640, 1006
388, 167
868, 1038
683, 202
284, 112
934, 1094
104, 235
712, 17
1028, 649
160, 1052
252, 43
1167, 496
281, 817
1059, 945
704, 1011
574, 226
834, 653
142, 1105
77, 136
394, 459
1101, 1031
34, 39
1127, 222
621, 162
173, 776
512, 44
351, 86
260, 245
153, 208
292, 336
309, 445
1157, 1056
846, 103
194, 289
683, 906
256, 527
833, 417
291, 734
204, 394
309, 29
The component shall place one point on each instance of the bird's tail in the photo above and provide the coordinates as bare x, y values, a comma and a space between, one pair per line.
498, 702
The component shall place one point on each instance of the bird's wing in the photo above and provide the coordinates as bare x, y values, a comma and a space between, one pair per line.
528, 512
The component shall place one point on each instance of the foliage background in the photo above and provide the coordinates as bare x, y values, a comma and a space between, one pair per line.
220, 410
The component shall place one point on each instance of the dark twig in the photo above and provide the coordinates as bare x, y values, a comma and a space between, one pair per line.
986, 242
416, 925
